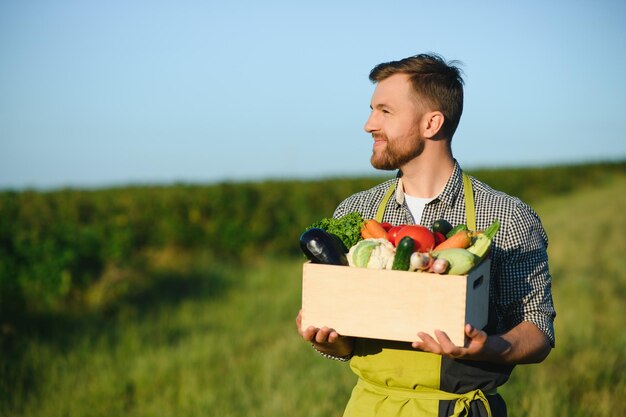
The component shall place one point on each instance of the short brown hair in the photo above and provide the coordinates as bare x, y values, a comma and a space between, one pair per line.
438, 83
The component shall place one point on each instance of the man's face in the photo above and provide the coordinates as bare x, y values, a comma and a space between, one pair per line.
394, 123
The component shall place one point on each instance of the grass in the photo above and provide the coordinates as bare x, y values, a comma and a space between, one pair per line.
586, 374
207, 339
188, 348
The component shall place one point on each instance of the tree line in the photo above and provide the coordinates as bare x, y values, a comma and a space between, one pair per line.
55, 244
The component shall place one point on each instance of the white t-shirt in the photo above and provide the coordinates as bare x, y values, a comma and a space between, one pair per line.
416, 206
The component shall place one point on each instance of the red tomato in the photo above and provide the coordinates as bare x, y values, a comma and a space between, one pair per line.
423, 237
439, 237
391, 234
386, 226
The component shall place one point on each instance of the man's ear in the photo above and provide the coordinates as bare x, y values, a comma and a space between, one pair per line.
433, 122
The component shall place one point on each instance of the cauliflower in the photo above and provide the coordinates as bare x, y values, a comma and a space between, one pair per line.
372, 253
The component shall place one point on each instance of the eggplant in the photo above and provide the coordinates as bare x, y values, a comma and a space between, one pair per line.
321, 247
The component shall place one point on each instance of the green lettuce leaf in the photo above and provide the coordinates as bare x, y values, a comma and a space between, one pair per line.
346, 228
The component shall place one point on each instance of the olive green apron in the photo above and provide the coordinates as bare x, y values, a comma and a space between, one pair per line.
396, 380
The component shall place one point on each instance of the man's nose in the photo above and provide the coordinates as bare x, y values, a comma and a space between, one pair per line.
371, 124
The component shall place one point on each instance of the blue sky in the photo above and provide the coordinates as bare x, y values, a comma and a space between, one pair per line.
97, 93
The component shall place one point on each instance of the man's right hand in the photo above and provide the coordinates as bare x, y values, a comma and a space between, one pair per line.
325, 340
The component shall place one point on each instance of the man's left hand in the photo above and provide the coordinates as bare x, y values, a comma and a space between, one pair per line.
524, 343
442, 345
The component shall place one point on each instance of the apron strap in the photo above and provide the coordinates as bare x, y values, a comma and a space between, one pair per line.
383, 204
462, 405
470, 211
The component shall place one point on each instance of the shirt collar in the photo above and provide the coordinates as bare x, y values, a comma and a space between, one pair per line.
448, 195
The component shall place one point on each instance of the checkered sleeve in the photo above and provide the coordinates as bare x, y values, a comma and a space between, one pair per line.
524, 281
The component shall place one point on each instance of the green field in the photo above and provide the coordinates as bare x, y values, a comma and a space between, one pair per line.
198, 337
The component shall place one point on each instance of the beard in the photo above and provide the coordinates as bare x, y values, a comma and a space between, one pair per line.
396, 153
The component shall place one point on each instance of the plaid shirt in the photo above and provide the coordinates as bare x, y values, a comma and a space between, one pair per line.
520, 285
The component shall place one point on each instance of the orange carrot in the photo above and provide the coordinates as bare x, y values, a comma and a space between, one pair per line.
461, 239
373, 229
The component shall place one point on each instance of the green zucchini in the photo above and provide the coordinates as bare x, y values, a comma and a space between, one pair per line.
402, 258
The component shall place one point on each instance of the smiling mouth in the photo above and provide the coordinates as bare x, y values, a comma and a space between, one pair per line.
379, 142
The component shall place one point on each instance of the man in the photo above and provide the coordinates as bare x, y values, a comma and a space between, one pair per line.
416, 107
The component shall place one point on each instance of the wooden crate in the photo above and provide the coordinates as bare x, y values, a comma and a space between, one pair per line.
394, 305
